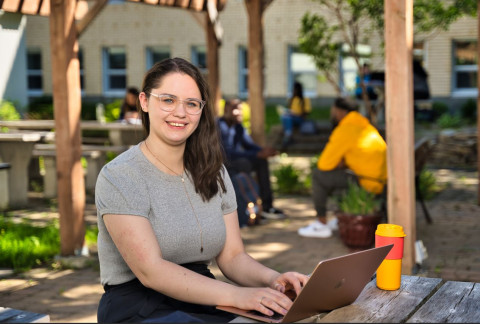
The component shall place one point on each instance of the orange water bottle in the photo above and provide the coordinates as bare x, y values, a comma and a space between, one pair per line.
389, 274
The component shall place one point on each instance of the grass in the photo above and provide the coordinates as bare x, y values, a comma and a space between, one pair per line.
24, 246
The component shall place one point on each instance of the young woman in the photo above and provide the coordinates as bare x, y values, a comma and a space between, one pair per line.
299, 107
166, 208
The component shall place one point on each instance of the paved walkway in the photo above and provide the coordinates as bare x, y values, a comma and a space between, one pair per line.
452, 242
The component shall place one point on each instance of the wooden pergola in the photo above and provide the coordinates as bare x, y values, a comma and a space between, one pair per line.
69, 18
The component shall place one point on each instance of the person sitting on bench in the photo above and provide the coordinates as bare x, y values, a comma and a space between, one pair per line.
354, 145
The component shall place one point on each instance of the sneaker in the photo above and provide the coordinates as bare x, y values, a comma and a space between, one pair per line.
333, 224
315, 229
273, 213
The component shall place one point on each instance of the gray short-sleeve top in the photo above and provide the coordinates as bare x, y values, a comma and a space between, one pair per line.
131, 185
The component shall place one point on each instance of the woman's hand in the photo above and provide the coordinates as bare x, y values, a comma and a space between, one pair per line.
263, 300
289, 281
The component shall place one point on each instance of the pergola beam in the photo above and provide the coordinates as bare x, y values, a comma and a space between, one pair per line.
399, 122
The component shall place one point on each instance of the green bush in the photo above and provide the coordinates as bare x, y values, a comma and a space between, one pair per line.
288, 180
439, 108
468, 111
88, 111
23, 245
8, 111
448, 121
112, 110
427, 184
40, 108
358, 201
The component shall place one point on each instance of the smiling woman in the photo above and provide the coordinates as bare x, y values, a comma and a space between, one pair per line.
166, 208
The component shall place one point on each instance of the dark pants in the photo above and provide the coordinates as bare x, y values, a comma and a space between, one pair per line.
133, 302
325, 183
262, 172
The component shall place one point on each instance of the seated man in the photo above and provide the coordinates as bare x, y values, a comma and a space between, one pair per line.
355, 145
244, 155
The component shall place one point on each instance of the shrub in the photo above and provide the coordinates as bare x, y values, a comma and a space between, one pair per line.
288, 179
112, 110
449, 121
40, 108
427, 184
468, 111
358, 201
8, 111
439, 108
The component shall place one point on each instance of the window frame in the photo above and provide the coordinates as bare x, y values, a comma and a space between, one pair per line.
107, 72
291, 74
150, 51
243, 71
462, 92
35, 73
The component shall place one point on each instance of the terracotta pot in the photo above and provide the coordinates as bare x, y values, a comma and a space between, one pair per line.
358, 231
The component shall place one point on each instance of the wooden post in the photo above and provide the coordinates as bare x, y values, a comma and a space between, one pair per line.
255, 9
478, 102
67, 106
212, 63
399, 122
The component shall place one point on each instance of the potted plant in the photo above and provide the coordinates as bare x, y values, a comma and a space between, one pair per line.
359, 213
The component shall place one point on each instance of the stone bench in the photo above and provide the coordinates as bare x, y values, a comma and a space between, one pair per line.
94, 154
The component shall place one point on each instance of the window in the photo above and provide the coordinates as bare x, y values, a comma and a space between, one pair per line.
301, 68
242, 72
465, 67
34, 72
114, 71
199, 58
156, 54
80, 61
348, 69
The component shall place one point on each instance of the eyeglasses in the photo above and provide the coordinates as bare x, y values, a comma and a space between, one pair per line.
170, 102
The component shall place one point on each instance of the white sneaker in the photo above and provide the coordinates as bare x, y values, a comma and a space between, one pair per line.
315, 229
333, 224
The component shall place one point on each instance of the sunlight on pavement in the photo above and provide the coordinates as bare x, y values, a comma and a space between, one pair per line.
267, 250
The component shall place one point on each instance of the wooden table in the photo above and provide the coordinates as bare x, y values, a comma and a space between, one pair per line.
10, 315
419, 300
16, 149
119, 133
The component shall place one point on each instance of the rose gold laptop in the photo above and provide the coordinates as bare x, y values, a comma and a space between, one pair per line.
334, 283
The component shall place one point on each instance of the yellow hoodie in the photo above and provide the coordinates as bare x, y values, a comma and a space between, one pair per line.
362, 148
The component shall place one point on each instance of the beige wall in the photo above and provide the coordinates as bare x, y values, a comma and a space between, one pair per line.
136, 26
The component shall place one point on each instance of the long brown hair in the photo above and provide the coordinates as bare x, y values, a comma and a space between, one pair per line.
203, 157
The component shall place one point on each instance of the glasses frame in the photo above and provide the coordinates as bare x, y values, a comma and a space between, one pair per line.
160, 96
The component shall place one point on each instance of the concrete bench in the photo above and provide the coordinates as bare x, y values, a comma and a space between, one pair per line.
10, 315
94, 154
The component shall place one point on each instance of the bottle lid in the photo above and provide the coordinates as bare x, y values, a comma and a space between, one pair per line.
390, 230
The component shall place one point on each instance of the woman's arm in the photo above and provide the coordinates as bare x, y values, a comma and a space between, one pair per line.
136, 241
240, 267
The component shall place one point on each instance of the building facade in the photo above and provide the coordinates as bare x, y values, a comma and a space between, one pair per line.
127, 38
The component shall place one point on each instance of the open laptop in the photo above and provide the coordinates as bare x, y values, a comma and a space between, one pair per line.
334, 283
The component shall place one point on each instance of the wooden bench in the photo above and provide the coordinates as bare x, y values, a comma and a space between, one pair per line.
94, 154
10, 315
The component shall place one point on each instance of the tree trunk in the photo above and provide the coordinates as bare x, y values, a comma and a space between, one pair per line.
67, 107
212, 64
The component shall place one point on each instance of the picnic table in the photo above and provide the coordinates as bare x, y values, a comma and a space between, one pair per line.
119, 133
419, 300
16, 149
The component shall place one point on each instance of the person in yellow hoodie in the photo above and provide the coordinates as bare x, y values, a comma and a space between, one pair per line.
354, 145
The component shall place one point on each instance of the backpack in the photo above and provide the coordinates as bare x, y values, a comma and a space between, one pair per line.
248, 200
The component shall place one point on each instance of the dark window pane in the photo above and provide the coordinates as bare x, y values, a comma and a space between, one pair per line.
118, 82
117, 60
466, 53
245, 58
34, 61
202, 60
158, 56
467, 79
80, 59
35, 82
82, 82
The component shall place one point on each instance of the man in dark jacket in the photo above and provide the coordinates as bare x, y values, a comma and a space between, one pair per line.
244, 155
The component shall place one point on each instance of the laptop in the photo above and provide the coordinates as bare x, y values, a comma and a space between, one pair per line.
281, 110
334, 283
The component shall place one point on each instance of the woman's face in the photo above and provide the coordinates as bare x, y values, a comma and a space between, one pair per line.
174, 127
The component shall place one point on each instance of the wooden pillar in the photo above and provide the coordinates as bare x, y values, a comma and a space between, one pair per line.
256, 101
67, 106
212, 63
399, 122
478, 102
